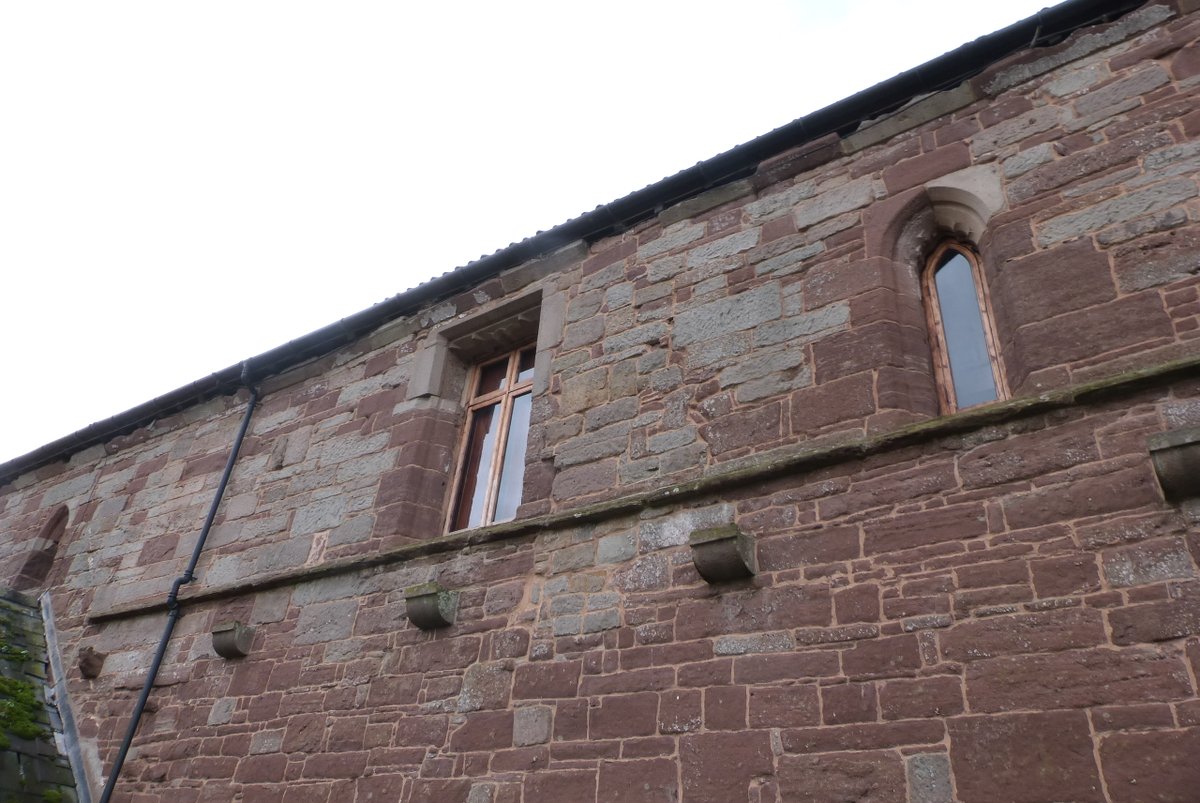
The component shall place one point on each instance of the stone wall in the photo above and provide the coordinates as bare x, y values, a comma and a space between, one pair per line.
32, 767
945, 605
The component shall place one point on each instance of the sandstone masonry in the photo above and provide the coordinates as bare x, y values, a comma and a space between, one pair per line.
995, 604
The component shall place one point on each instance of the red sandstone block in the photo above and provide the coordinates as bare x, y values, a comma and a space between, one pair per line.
679, 711
558, 786
1158, 766
850, 702
546, 679
921, 697
483, 730
866, 736
761, 609
725, 708
896, 656
1032, 757
1042, 631
650, 781
1132, 717
623, 715
637, 680
421, 731
924, 527
784, 666
335, 765
869, 776
826, 545
867, 348
719, 767
745, 428
426, 790
1076, 679
1121, 490
261, 769
1131, 321
394, 690
1073, 574
784, 706
858, 603
833, 402
305, 733
1158, 621
1023, 456
707, 673
919, 169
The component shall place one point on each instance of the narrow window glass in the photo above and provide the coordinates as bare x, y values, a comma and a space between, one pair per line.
492, 465
477, 467
965, 354
512, 473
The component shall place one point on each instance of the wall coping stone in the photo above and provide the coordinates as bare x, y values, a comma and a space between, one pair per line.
785, 460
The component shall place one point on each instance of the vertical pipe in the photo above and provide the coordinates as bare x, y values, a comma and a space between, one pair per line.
173, 607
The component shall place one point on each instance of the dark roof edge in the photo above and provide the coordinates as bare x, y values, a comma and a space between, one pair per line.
941, 73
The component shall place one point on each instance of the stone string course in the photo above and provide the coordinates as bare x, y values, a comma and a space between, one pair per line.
1009, 610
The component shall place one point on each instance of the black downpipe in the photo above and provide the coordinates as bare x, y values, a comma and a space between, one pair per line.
174, 609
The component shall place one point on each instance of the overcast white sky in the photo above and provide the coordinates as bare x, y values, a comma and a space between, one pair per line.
184, 185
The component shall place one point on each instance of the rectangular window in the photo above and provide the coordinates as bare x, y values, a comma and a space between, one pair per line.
491, 467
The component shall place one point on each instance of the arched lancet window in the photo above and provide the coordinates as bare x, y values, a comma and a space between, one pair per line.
960, 321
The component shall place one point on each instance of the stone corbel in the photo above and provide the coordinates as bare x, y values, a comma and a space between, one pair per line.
1176, 458
232, 640
722, 553
429, 606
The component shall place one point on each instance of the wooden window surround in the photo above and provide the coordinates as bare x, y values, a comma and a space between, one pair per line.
962, 333
491, 465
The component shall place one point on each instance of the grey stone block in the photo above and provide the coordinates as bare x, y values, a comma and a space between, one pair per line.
616, 548
756, 643
322, 515
531, 725
1087, 43
1117, 210
327, 621
724, 247
672, 237
727, 315
854, 195
929, 778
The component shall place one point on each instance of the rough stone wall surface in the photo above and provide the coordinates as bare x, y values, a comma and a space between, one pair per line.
1006, 603
32, 768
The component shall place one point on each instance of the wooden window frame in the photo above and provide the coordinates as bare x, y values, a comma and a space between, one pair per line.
933, 314
505, 396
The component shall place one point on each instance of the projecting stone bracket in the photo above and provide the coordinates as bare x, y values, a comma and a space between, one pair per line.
722, 553
430, 606
1176, 458
232, 639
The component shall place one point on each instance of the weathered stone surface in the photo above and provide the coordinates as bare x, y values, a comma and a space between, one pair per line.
720, 767
1075, 679
1151, 766
1033, 757
867, 777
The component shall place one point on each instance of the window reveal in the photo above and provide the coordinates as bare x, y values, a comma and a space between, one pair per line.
964, 341
492, 466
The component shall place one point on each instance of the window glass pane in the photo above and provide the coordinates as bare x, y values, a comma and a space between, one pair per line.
492, 377
513, 471
962, 326
525, 368
481, 443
